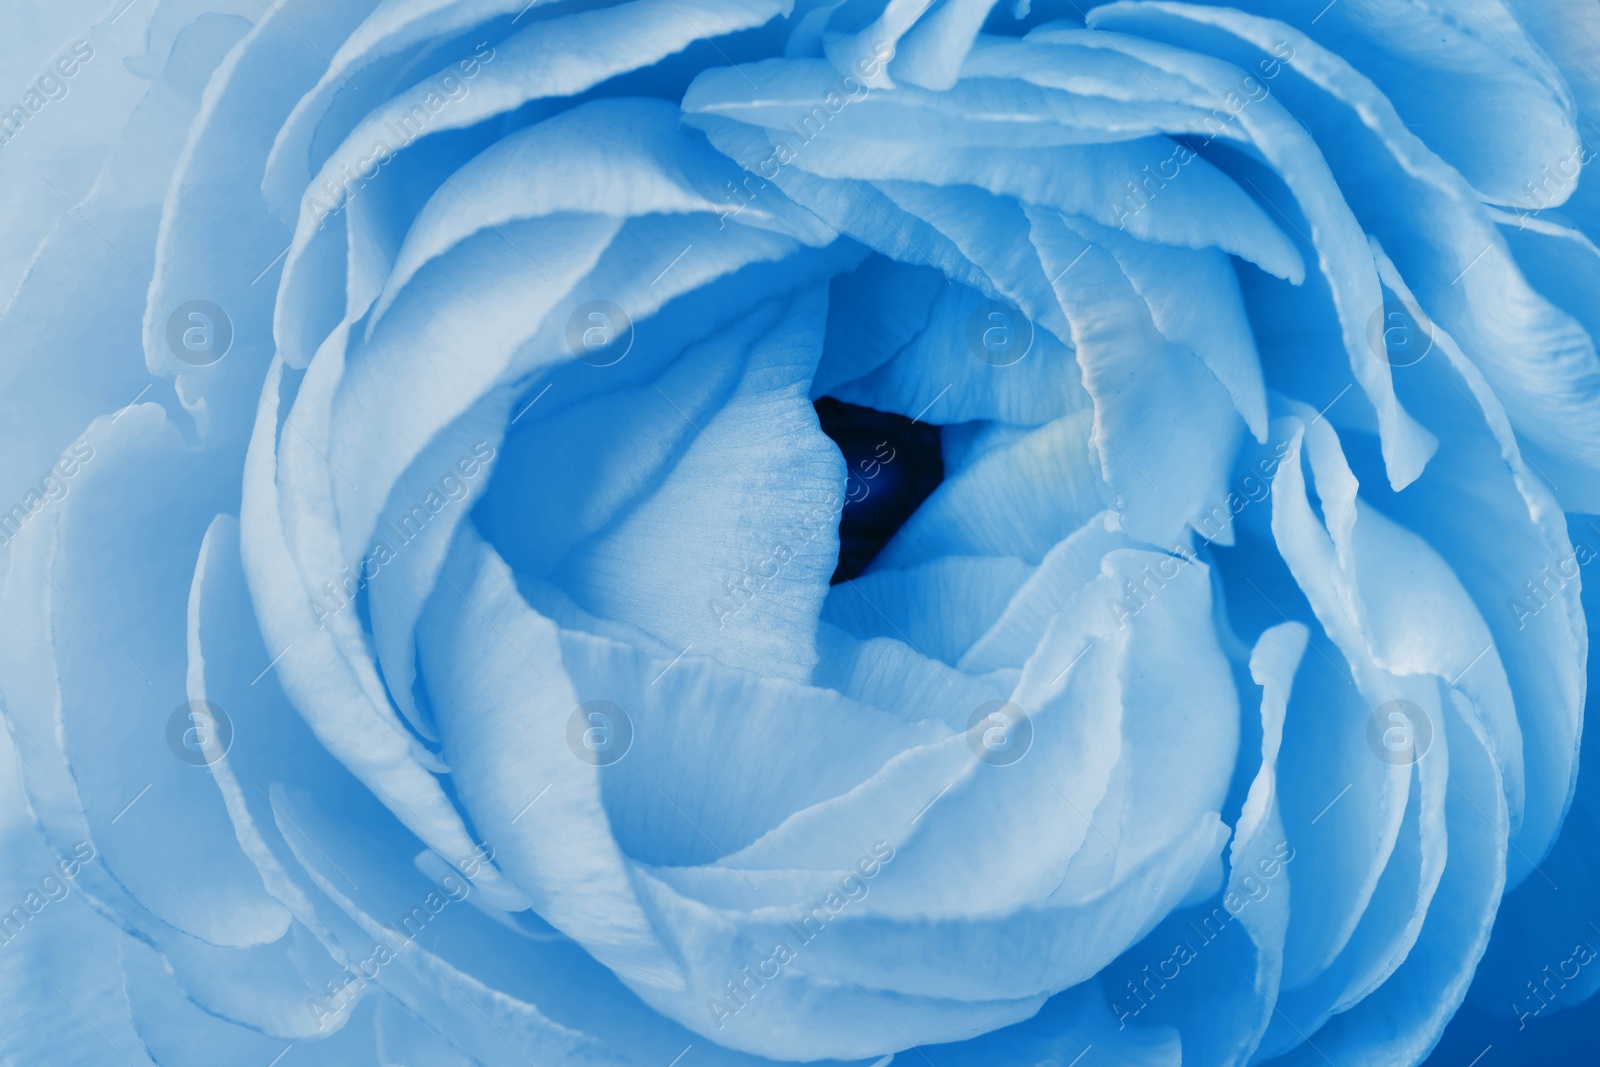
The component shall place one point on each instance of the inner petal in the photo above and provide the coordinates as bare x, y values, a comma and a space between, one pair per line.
892, 463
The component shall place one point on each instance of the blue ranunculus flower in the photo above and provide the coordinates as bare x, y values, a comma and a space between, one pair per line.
711, 532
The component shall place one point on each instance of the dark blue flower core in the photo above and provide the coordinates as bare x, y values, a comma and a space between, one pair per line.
893, 464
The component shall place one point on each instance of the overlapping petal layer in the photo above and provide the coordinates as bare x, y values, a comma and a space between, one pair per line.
1221, 704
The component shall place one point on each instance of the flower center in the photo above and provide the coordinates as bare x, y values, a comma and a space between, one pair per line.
893, 464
